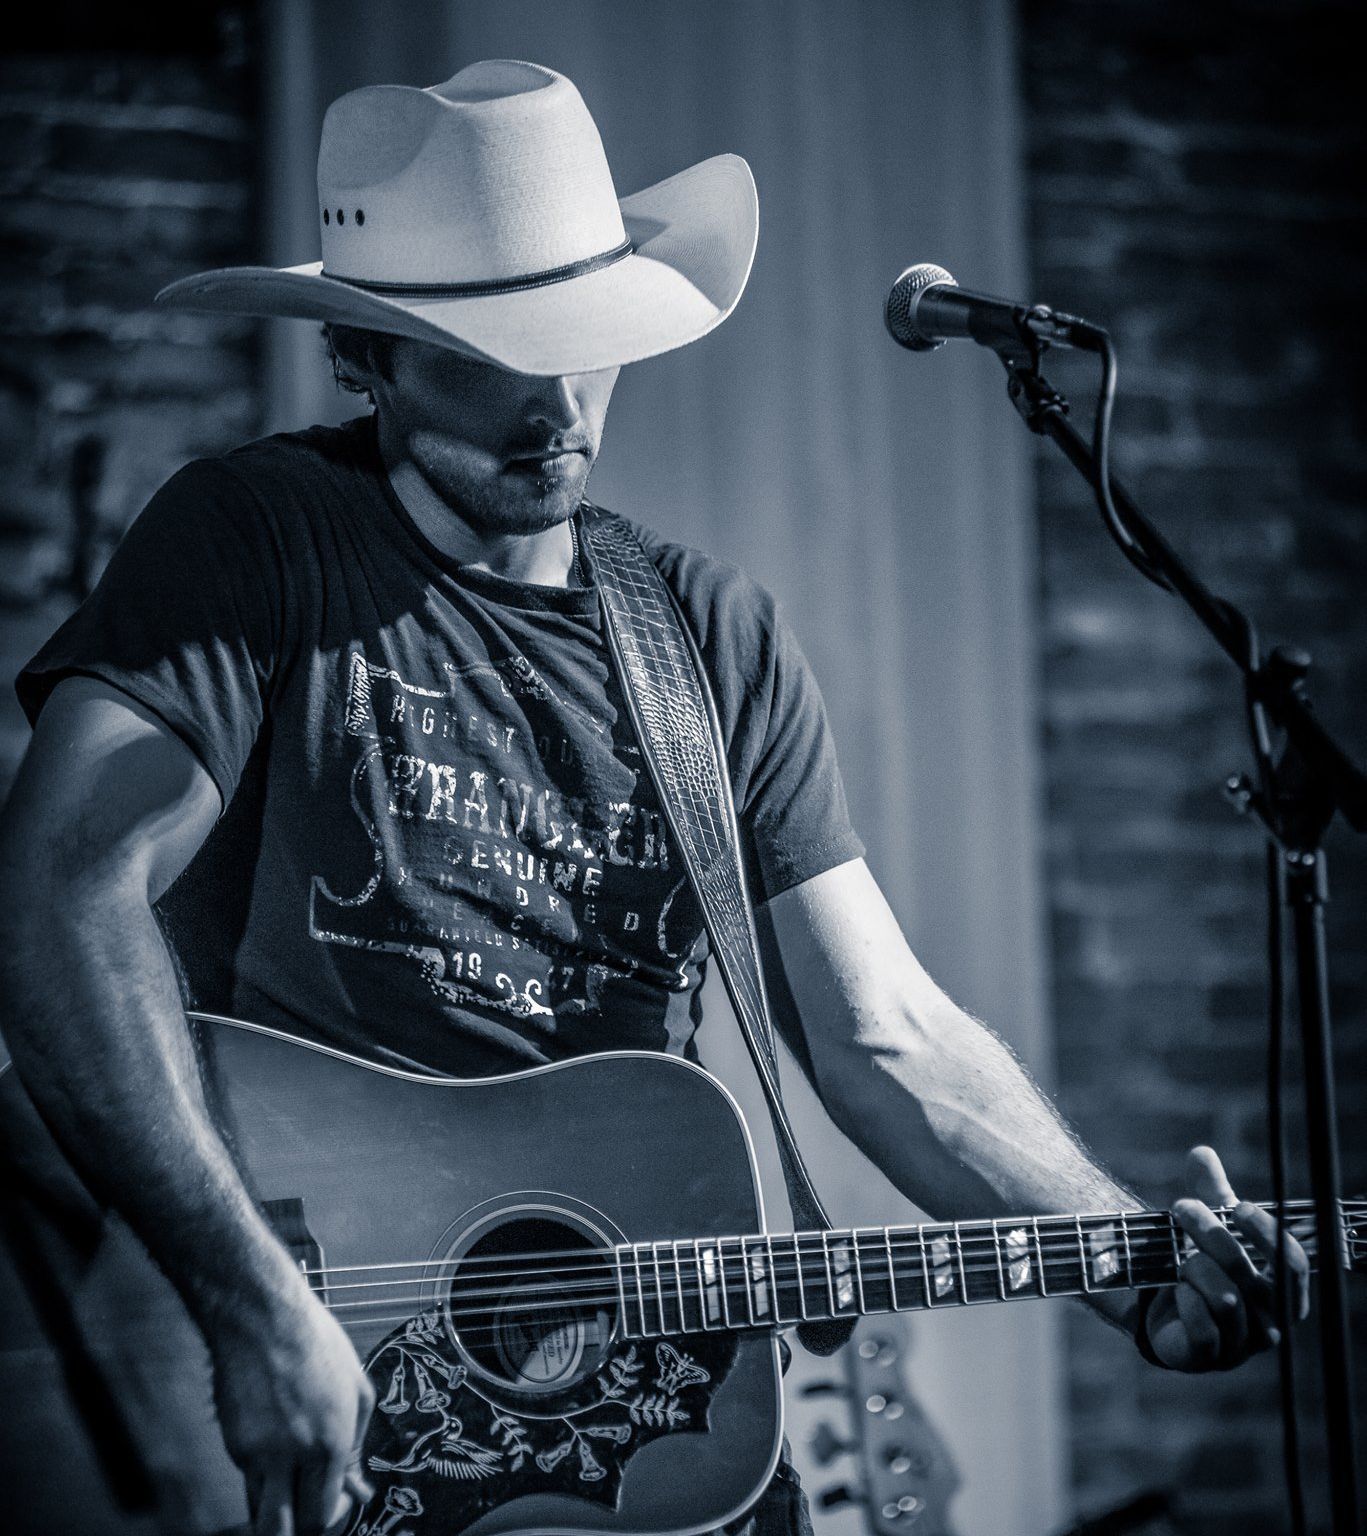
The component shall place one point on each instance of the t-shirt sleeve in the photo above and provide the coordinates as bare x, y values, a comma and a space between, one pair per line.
186, 619
790, 798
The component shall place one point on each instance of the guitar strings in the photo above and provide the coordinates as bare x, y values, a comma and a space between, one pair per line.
472, 1331
651, 1288
609, 1300
867, 1244
665, 1300
784, 1266
1134, 1222
908, 1269
666, 1297
1141, 1225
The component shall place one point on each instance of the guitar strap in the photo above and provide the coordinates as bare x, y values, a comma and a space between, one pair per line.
671, 706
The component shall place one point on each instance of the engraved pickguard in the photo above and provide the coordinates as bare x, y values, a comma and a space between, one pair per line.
440, 1451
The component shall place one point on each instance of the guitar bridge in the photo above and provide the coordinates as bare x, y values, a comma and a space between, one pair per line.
286, 1220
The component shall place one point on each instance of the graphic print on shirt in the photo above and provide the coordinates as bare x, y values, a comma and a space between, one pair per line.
508, 892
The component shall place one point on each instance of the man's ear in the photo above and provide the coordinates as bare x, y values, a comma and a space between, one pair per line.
358, 358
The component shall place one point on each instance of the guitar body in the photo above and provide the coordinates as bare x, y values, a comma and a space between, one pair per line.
517, 1260
414, 1197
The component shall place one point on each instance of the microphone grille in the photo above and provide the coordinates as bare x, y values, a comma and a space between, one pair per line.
902, 301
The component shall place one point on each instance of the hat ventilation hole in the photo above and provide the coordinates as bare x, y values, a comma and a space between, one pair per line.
341, 215
327, 217
360, 215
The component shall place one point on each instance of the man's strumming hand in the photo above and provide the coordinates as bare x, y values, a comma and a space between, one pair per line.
1222, 1309
293, 1403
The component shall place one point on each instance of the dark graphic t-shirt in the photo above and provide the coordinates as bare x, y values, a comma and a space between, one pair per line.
440, 843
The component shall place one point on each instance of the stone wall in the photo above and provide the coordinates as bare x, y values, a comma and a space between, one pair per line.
1193, 185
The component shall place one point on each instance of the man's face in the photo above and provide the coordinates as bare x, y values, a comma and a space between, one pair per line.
509, 452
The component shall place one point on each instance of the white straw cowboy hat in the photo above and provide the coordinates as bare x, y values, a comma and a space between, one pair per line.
481, 215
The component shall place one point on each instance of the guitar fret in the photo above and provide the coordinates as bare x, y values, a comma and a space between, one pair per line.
622, 1290
761, 1282
1055, 1249
959, 1248
1129, 1257
858, 1270
659, 1286
801, 1289
773, 1280
830, 1280
1013, 1260
1176, 1248
925, 1267
749, 1289
748, 1316
705, 1284
1001, 1272
640, 1292
892, 1267
1082, 1256
678, 1281
721, 1277
974, 1284
1039, 1256
918, 1236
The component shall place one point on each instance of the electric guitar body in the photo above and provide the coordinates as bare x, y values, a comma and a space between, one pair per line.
466, 1234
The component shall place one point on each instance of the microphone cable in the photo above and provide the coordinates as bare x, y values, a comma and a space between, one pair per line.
1131, 547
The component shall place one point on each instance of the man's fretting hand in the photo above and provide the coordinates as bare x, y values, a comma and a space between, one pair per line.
1222, 1310
293, 1403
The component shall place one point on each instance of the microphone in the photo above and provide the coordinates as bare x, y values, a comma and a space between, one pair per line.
927, 307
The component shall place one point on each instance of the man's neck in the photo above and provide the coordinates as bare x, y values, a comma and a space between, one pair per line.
544, 559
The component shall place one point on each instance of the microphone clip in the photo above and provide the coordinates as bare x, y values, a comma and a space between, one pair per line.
1034, 397
1036, 328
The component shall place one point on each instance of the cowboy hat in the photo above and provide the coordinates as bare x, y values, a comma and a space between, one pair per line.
481, 215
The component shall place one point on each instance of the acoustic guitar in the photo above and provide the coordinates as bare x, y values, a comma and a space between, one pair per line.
560, 1281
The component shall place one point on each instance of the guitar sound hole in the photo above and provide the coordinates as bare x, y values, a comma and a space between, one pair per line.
531, 1303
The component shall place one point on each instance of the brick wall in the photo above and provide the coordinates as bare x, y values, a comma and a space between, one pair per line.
1192, 184
122, 167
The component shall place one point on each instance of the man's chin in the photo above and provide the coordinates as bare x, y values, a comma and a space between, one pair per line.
501, 509
536, 504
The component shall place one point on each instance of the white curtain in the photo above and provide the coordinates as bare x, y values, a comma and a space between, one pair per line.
884, 497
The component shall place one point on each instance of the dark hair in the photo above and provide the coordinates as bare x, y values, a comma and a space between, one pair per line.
350, 346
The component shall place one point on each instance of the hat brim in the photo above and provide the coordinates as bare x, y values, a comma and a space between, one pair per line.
694, 234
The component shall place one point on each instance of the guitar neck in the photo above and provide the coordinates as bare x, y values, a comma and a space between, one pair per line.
776, 1279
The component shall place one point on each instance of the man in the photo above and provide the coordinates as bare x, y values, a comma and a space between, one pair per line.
352, 685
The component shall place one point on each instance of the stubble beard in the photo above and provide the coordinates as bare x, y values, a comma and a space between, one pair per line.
503, 502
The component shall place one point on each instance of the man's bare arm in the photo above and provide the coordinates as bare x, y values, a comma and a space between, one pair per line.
938, 1102
108, 808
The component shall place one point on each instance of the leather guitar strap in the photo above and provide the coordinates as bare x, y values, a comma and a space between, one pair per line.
672, 709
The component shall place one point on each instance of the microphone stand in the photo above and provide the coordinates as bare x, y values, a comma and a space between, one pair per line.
1311, 781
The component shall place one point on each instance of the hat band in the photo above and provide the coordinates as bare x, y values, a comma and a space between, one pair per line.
498, 284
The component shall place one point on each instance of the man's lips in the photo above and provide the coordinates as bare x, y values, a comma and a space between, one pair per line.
549, 462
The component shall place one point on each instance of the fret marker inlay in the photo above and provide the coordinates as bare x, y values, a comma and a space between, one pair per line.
943, 1265
1105, 1246
759, 1286
710, 1293
1017, 1258
842, 1265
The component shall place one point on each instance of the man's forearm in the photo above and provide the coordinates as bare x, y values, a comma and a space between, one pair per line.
93, 1018
956, 1123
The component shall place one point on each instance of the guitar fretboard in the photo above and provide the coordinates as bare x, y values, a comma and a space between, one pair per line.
767, 1280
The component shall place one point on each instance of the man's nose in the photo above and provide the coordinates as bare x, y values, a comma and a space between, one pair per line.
556, 404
